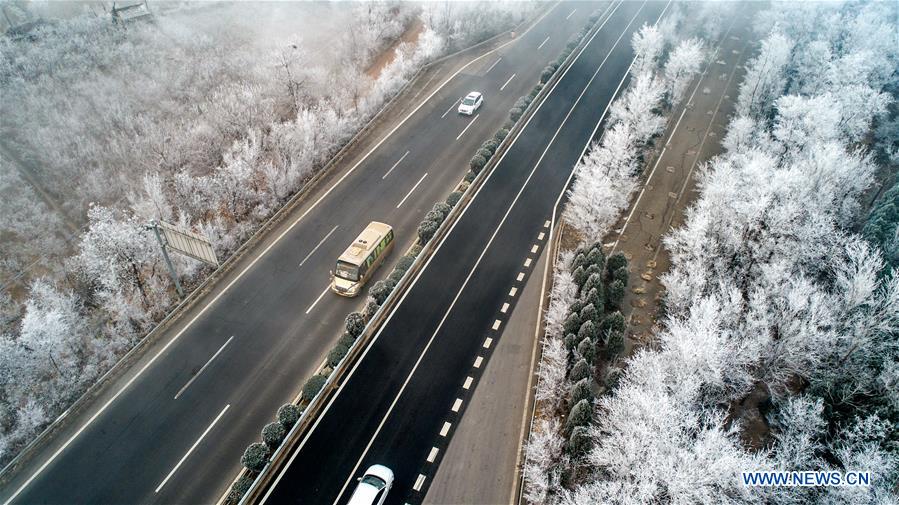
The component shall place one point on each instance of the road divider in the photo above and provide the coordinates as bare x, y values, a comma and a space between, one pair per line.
252, 483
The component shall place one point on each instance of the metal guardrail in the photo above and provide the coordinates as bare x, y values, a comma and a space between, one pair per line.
360, 345
195, 295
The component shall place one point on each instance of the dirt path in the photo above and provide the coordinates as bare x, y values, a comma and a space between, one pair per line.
669, 188
386, 56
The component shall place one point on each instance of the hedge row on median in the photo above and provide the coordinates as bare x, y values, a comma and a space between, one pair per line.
257, 455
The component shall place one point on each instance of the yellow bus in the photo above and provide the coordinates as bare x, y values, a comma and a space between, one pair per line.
360, 260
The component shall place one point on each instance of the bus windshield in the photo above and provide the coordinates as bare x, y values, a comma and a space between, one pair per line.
347, 271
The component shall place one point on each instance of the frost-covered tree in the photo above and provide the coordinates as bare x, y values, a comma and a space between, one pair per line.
683, 63
765, 78
648, 44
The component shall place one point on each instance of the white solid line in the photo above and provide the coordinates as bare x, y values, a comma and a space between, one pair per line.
478, 361
513, 291
507, 82
468, 381
204, 367
487, 342
420, 481
394, 166
540, 237
167, 477
317, 299
411, 191
457, 404
445, 429
572, 13
319, 245
468, 126
505, 308
453, 106
535, 248
494, 64
424, 268
520, 277
544, 42
433, 454
496, 324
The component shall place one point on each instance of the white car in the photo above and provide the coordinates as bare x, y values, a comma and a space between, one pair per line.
373, 486
471, 103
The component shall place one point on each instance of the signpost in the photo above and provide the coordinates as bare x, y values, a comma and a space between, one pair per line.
185, 242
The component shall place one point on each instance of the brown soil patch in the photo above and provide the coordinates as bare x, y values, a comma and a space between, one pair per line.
386, 57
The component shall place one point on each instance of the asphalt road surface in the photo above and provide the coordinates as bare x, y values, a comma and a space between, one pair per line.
402, 400
175, 433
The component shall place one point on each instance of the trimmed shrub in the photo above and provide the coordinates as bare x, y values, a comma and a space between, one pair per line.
434, 215
484, 153
547, 72
255, 457
395, 276
615, 294
443, 209
535, 91
615, 345
580, 261
572, 323
579, 441
240, 488
354, 323
273, 434
469, 176
614, 322
580, 276
379, 291
453, 198
501, 134
622, 274
593, 281
616, 261
313, 386
596, 257
596, 298
515, 113
588, 331
580, 415
477, 163
404, 263
589, 312
346, 339
593, 269
463, 186
508, 125
415, 250
570, 341
576, 307
288, 415
371, 307
581, 391
427, 229
580, 370
490, 146
336, 354
586, 348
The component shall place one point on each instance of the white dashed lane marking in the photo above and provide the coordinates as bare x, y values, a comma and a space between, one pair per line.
478, 361
433, 454
445, 429
457, 404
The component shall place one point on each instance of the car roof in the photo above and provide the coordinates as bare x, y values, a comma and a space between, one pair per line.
473, 94
363, 495
381, 471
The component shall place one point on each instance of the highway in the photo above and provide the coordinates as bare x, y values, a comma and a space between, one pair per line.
174, 429
402, 400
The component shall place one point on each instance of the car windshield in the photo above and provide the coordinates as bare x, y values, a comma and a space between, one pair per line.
468, 101
347, 271
373, 481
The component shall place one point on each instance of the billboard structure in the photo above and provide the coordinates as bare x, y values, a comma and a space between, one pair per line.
185, 242
188, 243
